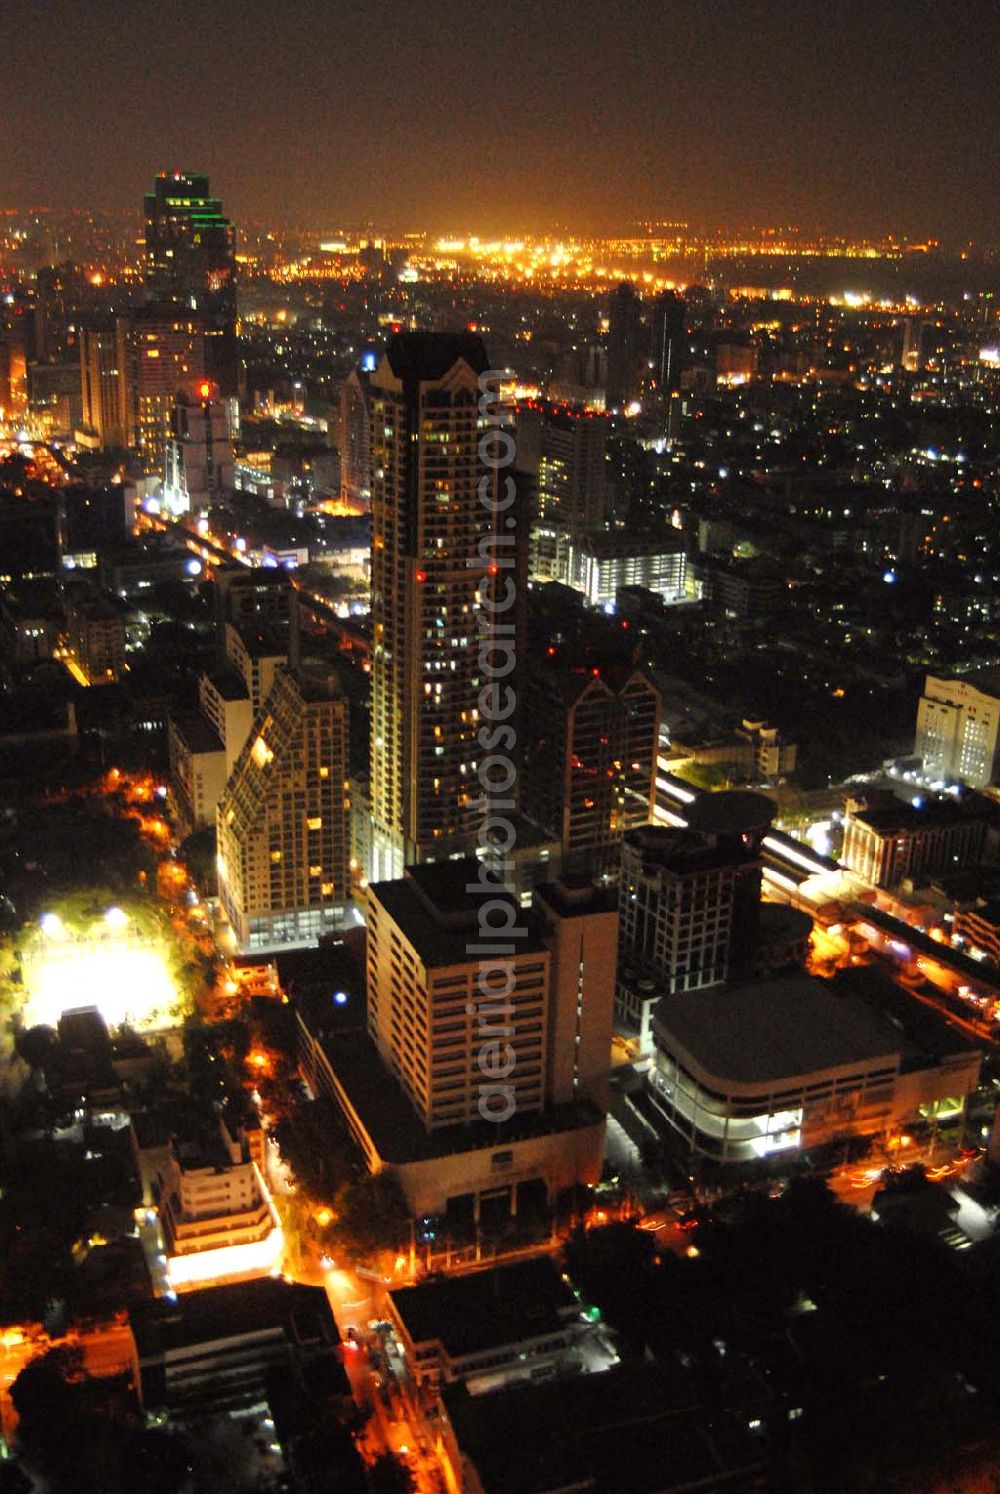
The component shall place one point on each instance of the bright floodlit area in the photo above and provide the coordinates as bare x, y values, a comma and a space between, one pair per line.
126, 977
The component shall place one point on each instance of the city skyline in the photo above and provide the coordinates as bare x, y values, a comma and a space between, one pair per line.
859, 121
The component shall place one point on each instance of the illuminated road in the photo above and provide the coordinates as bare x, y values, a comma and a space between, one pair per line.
398, 1426
107, 1350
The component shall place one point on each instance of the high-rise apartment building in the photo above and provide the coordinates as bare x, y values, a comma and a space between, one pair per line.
103, 416
227, 708
572, 448
625, 351
589, 758
428, 520
60, 293
564, 449
582, 936
355, 442
666, 352
256, 653
96, 630
159, 352
423, 993
191, 264
256, 597
468, 1095
198, 468
958, 728
689, 903
282, 823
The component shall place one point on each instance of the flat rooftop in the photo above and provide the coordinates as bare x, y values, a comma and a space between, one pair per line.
635, 1427
198, 734
772, 1030
729, 811
240, 1310
684, 852
440, 917
487, 1309
576, 897
262, 642
395, 1128
228, 683
893, 819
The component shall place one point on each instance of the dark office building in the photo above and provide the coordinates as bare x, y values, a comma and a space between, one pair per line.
666, 351
624, 348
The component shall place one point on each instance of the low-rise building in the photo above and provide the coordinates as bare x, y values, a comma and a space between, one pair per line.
509, 1323
889, 844
213, 1350
788, 1063
215, 1212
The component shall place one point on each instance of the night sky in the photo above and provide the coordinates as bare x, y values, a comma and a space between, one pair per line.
852, 115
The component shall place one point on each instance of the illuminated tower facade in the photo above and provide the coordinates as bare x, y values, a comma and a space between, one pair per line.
282, 823
101, 387
191, 263
198, 468
158, 351
427, 523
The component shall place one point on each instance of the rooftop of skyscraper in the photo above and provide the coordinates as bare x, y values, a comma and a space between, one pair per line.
417, 357
681, 851
437, 906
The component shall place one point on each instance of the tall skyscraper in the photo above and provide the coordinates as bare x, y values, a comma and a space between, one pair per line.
565, 449
666, 352
572, 461
624, 348
101, 384
355, 442
60, 293
911, 352
191, 263
589, 743
689, 902
158, 352
282, 823
427, 523
198, 470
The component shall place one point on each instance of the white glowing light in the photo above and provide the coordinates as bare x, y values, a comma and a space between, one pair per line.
116, 918
258, 1257
52, 926
125, 982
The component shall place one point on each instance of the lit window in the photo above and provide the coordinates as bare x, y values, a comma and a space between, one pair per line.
261, 753
315, 822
